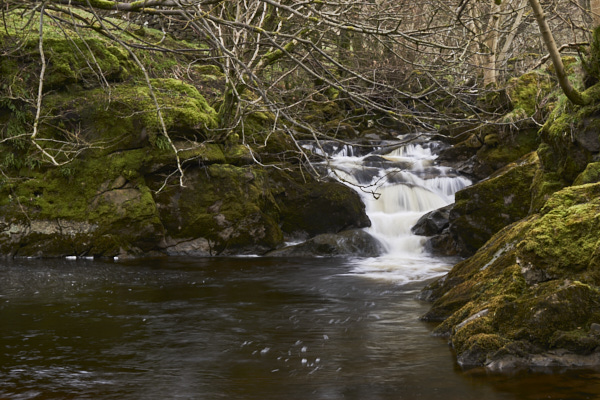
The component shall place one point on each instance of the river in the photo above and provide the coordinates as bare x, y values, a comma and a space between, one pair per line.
234, 328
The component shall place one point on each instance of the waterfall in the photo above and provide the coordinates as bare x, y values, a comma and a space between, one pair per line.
398, 186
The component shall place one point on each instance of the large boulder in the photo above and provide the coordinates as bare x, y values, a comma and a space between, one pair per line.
309, 208
483, 209
435, 225
223, 206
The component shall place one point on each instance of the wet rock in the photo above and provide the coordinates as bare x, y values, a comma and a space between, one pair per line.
589, 136
442, 245
433, 223
356, 242
310, 208
196, 247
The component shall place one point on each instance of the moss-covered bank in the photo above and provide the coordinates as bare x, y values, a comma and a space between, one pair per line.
530, 295
115, 190
532, 290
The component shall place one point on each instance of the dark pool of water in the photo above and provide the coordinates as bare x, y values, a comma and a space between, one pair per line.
233, 328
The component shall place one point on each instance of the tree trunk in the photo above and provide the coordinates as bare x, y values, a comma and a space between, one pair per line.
572, 94
503, 55
490, 73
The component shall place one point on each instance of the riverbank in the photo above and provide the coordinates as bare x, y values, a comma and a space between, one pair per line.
124, 166
528, 296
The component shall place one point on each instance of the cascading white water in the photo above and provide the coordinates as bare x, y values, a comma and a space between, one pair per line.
398, 187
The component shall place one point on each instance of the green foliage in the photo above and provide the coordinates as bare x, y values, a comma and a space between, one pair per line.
11, 161
162, 142
15, 120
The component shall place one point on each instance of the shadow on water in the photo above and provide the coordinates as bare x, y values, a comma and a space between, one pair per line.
243, 328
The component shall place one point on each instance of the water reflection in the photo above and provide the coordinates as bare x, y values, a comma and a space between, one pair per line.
232, 328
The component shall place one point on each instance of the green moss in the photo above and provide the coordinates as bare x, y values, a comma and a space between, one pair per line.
591, 174
73, 60
537, 280
543, 186
502, 149
560, 125
591, 64
128, 113
207, 153
209, 70
238, 155
528, 90
107, 195
570, 136
578, 341
486, 207
223, 204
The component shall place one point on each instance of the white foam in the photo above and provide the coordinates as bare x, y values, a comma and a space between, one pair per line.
400, 198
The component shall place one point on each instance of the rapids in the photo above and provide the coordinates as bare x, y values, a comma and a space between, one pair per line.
398, 184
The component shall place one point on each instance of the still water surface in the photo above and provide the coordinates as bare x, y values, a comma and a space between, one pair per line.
234, 328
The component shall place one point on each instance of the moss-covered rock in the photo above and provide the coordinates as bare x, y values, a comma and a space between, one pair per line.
227, 206
571, 137
532, 290
86, 214
591, 174
528, 91
127, 116
501, 148
483, 209
489, 149
312, 207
